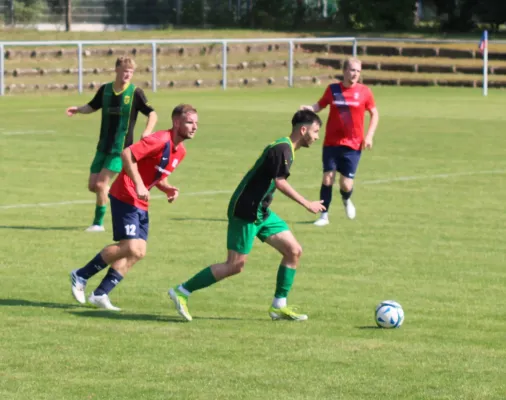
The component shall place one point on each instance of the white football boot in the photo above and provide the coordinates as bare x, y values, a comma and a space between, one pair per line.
95, 228
323, 220
78, 285
349, 208
102, 301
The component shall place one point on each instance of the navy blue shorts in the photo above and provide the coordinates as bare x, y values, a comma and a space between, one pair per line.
128, 222
342, 159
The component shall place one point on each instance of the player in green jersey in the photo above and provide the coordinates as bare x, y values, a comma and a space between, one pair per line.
249, 216
120, 102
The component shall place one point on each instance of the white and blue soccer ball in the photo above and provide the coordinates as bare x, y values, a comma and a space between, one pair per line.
389, 314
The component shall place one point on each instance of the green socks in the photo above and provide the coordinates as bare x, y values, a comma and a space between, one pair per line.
99, 215
201, 280
284, 281
206, 278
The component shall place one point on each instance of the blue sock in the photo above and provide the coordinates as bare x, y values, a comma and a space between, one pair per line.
346, 195
111, 279
326, 196
96, 265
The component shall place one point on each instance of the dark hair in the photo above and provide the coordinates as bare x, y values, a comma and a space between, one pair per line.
183, 109
305, 117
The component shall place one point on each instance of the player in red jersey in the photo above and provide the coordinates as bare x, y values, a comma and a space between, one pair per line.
146, 164
344, 134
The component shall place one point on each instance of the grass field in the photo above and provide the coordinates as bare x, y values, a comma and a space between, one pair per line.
429, 233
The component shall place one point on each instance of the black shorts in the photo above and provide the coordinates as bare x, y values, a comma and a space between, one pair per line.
128, 222
342, 159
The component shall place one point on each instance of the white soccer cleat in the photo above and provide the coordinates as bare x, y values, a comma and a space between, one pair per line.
78, 285
181, 303
349, 208
323, 220
95, 228
102, 302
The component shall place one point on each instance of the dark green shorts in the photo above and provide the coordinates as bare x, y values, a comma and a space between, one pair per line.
241, 233
112, 162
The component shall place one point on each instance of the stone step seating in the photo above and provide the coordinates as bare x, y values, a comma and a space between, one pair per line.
325, 59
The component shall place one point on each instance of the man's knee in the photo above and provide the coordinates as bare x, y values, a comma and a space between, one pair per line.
101, 187
135, 249
346, 184
294, 251
329, 178
235, 266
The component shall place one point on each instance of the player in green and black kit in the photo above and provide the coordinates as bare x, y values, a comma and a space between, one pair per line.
120, 102
249, 216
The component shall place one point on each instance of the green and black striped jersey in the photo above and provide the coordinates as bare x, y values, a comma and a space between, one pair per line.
253, 196
119, 115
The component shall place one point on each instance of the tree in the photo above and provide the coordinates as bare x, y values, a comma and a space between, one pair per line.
68, 16
492, 12
378, 14
456, 15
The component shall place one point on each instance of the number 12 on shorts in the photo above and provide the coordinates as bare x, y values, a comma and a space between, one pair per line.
130, 230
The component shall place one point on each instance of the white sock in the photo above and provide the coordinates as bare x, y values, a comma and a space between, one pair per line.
183, 290
325, 215
279, 303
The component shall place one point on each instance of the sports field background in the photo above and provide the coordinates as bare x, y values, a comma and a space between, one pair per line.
429, 233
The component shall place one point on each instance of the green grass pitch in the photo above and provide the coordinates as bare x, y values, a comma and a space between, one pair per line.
430, 233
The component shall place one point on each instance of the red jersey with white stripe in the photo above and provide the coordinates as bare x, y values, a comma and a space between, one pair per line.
345, 125
156, 159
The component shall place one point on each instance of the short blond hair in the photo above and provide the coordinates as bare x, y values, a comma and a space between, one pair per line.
125, 62
349, 61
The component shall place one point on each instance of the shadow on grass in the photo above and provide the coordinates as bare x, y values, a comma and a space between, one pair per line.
29, 303
41, 228
87, 311
302, 222
199, 219
95, 313
118, 315
369, 327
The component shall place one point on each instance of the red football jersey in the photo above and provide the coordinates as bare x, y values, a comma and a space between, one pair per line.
156, 159
345, 125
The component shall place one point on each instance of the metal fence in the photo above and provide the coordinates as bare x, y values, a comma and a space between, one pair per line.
80, 45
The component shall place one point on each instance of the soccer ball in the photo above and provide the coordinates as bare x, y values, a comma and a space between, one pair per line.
389, 314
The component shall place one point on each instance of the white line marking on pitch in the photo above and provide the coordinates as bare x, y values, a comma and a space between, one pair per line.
213, 192
27, 132
436, 176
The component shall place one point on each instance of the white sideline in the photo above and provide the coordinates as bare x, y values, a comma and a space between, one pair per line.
213, 192
27, 132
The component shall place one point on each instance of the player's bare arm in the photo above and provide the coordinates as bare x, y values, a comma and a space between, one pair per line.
312, 206
172, 192
315, 108
150, 124
131, 169
86, 109
373, 124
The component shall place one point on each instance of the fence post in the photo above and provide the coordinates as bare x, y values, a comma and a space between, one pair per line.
290, 63
224, 69
80, 67
153, 58
2, 71
355, 43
